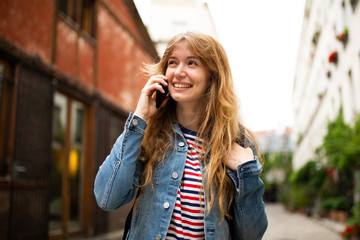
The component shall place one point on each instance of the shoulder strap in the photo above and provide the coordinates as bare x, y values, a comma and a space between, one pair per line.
129, 216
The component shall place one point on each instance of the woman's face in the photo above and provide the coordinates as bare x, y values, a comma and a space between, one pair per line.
188, 77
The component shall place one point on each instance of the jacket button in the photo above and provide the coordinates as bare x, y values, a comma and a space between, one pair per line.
135, 122
166, 205
158, 236
181, 144
174, 175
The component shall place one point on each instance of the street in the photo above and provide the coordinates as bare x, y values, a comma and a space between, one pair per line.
284, 225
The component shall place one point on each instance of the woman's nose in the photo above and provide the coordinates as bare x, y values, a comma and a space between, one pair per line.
180, 71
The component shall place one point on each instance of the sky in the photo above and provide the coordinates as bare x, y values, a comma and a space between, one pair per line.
261, 39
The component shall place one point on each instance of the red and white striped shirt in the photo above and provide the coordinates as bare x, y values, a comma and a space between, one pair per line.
187, 220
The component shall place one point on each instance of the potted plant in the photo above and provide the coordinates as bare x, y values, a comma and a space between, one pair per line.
335, 207
351, 233
328, 74
333, 57
315, 37
352, 229
343, 36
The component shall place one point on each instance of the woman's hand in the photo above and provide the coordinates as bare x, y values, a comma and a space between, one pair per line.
238, 155
146, 106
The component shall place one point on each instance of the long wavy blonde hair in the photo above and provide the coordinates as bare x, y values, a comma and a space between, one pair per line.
219, 124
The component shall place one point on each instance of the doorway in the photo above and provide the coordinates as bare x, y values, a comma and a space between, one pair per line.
67, 170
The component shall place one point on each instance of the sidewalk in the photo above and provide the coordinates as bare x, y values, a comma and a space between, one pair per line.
117, 235
284, 225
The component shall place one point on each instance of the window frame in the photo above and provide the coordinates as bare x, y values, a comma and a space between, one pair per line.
78, 14
68, 227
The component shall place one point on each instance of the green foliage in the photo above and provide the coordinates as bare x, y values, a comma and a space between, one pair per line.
299, 197
327, 183
306, 184
355, 219
276, 171
354, 144
336, 143
342, 143
335, 203
309, 174
312, 175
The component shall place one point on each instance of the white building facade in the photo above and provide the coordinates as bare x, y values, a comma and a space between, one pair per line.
327, 73
169, 17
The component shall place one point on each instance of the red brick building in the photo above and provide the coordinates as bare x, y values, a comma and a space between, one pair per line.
68, 78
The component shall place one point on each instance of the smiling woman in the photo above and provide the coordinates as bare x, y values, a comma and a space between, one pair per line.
191, 161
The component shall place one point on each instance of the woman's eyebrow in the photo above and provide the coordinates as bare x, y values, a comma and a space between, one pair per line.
186, 57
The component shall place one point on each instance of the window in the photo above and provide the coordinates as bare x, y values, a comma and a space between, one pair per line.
80, 12
66, 189
4, 114
69, 7
87, 19
354, 3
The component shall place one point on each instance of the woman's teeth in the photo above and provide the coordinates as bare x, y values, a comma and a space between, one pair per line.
178, 85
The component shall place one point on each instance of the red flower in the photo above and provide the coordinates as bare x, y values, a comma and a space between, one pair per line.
351, 231
333, 57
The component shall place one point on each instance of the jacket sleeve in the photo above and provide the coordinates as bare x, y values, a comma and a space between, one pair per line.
118, 177
249, 218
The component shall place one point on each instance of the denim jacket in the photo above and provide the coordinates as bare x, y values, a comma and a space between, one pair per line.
118, 177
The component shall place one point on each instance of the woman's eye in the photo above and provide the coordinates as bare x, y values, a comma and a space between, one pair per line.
192, 63
171, 62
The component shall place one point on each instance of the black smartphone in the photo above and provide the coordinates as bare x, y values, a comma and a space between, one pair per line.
160, 97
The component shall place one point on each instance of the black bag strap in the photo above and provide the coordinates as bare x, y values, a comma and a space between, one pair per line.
129, 217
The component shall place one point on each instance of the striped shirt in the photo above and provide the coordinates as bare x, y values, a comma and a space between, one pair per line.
187, 221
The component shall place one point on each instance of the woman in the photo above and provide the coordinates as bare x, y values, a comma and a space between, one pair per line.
192, 160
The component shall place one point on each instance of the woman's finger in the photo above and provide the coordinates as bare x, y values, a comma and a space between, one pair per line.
160, 79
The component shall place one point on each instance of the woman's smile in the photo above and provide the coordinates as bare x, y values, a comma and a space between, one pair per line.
181, 85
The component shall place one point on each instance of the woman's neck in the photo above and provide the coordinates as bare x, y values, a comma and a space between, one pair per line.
188, 117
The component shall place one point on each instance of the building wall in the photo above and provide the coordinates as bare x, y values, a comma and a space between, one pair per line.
53, 68
22, 24
169, 17
321, 87
275, 141
115, 71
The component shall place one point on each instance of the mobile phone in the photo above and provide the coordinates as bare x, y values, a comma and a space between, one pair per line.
160, 97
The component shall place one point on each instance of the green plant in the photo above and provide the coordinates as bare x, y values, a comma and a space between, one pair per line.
300, 198
335, 203
305, 184
353, 149
351, 232
355, 217
336, 142
352, 228
276, 170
